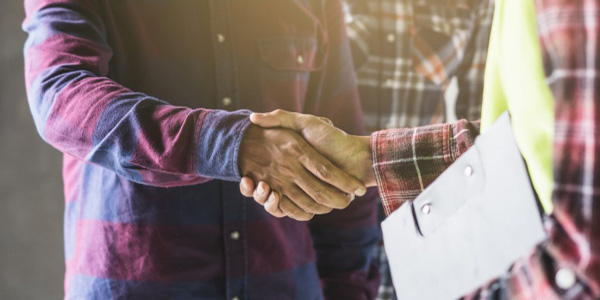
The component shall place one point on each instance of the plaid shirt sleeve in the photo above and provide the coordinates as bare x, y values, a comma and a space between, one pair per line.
566, 266
407, 160
81, 112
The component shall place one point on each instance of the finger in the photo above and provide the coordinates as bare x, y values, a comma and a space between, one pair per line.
326, 120
262, 192
272, 205
329, 173
293, 211
278, 118
247, 186
305, 202
323, 193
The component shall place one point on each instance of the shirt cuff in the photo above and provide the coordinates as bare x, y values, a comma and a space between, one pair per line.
407, 160
219, 142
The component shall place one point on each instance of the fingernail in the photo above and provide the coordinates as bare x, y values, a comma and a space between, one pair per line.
352, 197
260, 190
360, 192
270, 199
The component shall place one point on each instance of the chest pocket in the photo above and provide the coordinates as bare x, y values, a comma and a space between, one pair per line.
441, 32
285, 68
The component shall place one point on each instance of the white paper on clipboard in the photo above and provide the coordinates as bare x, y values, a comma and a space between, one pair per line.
469, 225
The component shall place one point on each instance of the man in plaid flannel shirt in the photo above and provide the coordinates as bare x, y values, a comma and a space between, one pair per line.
406, 52
566, 265
396, 44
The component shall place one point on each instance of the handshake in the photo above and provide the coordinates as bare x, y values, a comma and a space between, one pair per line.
301, 165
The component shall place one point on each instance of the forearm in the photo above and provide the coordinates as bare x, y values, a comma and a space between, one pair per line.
80, 111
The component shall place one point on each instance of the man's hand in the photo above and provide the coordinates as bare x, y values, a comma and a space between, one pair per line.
350, 153
294, 168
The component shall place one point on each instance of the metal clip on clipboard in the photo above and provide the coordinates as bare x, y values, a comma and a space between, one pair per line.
469, 225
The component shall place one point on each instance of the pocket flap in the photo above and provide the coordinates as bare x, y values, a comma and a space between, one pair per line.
290, 53
462, 182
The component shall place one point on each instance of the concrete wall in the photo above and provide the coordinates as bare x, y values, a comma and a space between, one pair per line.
31, 201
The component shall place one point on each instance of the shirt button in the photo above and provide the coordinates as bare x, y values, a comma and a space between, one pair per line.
235, 298
391, 37
565, 279
235, 235
300, 59
220, 38
227, 101
426, 209
468, 171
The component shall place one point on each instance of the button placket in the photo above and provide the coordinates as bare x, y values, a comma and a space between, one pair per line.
224, 56
234, 213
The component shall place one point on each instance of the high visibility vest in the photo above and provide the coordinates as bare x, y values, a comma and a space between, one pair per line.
515, 81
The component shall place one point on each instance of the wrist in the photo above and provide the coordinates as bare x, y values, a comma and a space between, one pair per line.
365, 161
250, 141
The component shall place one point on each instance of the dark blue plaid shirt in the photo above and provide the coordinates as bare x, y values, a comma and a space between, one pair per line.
145, 99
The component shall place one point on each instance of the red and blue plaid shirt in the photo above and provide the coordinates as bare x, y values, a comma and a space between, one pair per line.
144, 98
569, 36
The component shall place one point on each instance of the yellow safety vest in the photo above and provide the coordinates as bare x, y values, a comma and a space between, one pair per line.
515, 81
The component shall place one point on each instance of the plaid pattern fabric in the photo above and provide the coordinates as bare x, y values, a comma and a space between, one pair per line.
407, 51
407, 160
386, 286
146, 100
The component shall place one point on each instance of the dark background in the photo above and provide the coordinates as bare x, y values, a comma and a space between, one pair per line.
31, 198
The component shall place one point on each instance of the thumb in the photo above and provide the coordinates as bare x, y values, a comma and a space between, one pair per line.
277, 118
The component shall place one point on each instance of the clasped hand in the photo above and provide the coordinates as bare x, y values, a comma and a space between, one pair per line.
303, 164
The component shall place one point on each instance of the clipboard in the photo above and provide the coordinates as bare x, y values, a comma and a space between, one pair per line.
469, 225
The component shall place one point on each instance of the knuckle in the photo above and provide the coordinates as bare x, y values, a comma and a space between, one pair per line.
294, 149
293, 194
323, 171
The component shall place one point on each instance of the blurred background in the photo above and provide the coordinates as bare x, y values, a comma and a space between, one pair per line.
31, 205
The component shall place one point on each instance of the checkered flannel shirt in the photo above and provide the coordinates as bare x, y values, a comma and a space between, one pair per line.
407, 51
407, 160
